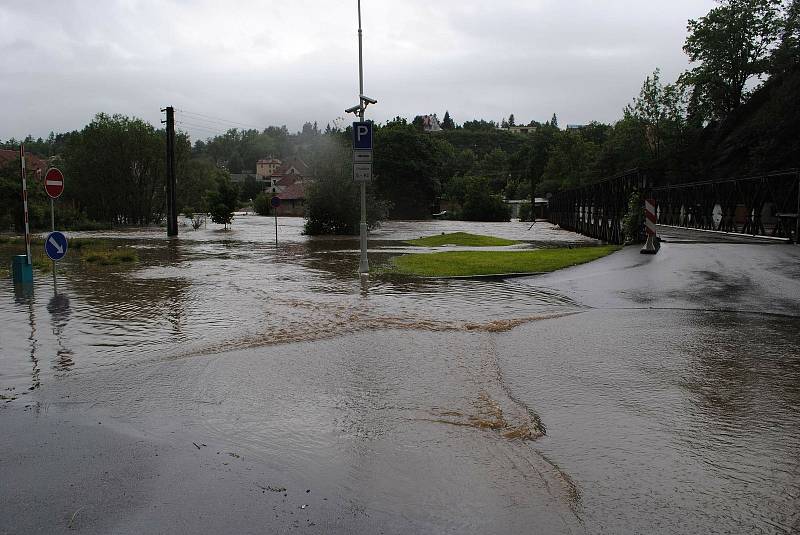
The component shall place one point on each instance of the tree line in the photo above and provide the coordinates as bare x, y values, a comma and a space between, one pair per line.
744, 71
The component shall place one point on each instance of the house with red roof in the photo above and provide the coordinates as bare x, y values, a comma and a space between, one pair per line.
290, 179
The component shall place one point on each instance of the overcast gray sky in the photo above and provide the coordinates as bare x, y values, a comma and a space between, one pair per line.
273, 62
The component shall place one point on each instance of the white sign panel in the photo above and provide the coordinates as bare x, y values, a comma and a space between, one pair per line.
362, 172
362, 156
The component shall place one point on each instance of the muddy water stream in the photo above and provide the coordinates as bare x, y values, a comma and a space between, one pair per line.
420, 404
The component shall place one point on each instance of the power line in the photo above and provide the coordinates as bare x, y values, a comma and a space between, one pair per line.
209, 118
201, 127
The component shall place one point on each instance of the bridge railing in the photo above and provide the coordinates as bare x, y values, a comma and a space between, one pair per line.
763, 205
596, 210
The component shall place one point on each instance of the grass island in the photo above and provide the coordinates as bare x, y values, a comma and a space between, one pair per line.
481, 263
462, 239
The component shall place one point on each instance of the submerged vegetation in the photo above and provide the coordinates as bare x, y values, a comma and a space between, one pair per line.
461, 238
476, 263
103, 252
100, 252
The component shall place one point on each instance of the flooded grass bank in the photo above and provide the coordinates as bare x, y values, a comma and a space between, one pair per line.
476, 263
463, 239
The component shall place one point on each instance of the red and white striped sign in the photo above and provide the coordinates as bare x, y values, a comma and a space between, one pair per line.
650, 216
25, 202
54, 183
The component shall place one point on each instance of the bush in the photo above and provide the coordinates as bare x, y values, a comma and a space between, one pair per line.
223, 201
525, 212
633, 220
334, 200
334, 207
481, 205
261, 204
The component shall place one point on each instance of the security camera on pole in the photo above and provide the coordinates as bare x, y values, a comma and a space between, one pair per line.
362, 148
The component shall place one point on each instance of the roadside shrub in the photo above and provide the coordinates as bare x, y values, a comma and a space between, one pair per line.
481, 205
261, 204
525, 212
333, 201
633, 220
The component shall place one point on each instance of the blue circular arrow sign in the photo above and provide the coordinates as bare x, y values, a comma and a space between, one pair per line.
55, 245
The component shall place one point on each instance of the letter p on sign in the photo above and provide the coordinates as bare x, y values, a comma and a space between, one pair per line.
362, 135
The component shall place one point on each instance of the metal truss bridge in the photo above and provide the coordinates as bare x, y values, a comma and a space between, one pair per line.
763, 205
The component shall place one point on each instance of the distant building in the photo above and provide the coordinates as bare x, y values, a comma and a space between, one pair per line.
576, 126
289, 180
540, 206
430, 123
267, 167
519, 129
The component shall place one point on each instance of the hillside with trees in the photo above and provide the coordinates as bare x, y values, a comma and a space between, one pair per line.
733, 113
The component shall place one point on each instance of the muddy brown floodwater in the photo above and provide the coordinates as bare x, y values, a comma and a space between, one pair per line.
586, 401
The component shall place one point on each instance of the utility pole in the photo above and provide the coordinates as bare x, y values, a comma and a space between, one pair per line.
172, 212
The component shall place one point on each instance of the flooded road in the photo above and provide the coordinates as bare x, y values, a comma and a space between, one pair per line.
615, 397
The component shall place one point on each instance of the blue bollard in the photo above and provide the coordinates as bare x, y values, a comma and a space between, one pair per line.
21, 271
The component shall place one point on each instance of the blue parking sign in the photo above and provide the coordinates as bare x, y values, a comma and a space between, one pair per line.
362, 135
55, 245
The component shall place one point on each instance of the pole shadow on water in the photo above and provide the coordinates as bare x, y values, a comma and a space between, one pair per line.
59, 309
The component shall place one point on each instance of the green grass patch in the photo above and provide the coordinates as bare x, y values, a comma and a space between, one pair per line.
470, 263
102, 252
109, 257
461, 238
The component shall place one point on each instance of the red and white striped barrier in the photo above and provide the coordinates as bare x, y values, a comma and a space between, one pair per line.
25, 202
652, 244
650, 216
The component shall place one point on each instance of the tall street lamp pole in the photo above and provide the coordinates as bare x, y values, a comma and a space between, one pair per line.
363, 150
364, 263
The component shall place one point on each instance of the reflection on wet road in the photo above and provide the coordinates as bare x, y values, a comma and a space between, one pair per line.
474, 405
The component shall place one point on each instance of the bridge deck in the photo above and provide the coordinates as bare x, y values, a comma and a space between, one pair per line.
670, 234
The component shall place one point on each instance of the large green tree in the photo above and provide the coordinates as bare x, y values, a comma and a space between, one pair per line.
731, 46
116, 168
198, 176
660, 110
333, 201
223, 200
409, 168
787, 55
480, 204
570, 160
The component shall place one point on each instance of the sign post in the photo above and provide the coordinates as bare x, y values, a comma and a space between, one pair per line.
22, 267
362, 173
275, 202
25, 203
56, 244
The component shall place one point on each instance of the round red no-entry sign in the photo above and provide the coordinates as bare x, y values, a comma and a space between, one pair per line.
54, 183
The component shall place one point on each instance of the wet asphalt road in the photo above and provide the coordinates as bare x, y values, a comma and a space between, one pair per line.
635, 394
